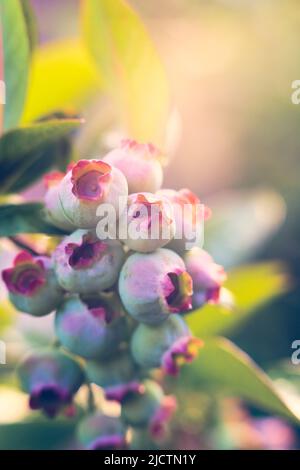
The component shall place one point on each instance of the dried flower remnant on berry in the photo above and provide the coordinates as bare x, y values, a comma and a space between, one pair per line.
32, 284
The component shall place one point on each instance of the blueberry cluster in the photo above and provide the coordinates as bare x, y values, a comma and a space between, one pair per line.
120, 304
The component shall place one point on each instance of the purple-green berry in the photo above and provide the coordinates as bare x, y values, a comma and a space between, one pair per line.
101, 432
154, 285
32, 284
140, 163
190, 215
88, 184
149, 408
149, 222
89, 327
85, 264
207, 276
168, 345
53, 208
117, 376
51, 378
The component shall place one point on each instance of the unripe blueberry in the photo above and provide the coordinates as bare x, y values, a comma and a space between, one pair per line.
140, 163
87, 185
189, 215
101, 432
88, 327
207, 276
85, 264
51, 378
149, 222
154, 285
53, 207
148, 408
32, 284
168, 345
117, 376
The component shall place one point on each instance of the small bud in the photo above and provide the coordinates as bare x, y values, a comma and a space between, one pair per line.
51, 378
87, 185
102, 432
189, 218
150, 222
117, 376
85, 264
140, 163
149, 408
32, 284
154, 285
88, 327
168, 345
207, 276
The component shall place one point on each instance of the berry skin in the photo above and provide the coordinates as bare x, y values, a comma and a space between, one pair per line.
84, 264
89, 327
149, 222
101, 432
140, 163
189, 218
148, 408
207, 276
87, 185
32, 284
154, 285
53, 206
168, 345
117, 376
51, 378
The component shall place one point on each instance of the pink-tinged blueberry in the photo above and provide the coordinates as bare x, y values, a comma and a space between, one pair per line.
189, 215
140, 163
149, 408
208, 277
150, 222
88, 184
118, 376
85, 264
53, 207
183, 351
154, 285
89, 327
32, 284
51, 378
102, 432
168, 345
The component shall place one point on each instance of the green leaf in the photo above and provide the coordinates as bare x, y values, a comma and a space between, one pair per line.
36, 435
16, 59
222, 366
129, 64
30, 22
28, 152
252, 286
74, 78
24, 218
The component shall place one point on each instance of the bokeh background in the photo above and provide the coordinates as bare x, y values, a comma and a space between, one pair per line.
233, 138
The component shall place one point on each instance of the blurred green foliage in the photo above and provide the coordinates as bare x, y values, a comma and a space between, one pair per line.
16, 59
223, 368
251, 286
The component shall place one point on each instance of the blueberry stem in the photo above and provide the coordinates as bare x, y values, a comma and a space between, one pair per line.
24, 246
91, 405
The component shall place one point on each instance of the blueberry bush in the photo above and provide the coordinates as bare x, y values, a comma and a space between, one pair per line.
140, 325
